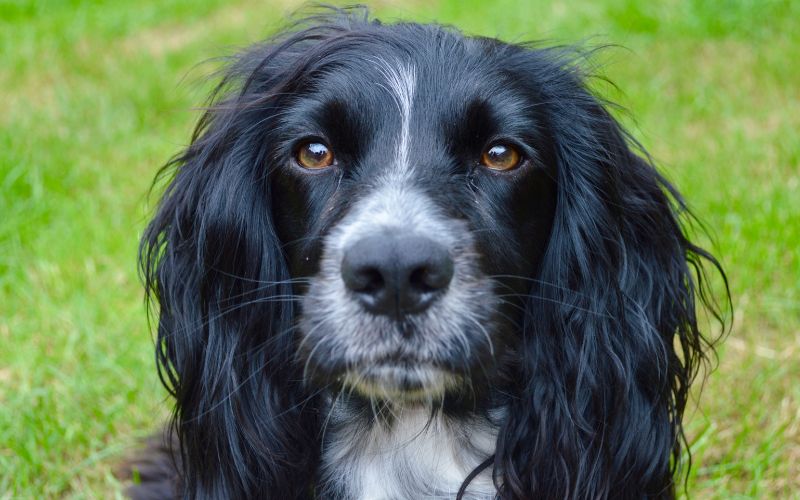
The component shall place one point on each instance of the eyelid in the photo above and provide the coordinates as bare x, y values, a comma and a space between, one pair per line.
512, 140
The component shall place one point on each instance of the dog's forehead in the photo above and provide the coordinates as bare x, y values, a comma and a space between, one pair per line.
415, 97
439, 68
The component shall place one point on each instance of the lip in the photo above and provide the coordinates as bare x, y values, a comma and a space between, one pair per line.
400, 381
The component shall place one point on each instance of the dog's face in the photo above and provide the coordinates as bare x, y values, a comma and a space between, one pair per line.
404, 213
416, 191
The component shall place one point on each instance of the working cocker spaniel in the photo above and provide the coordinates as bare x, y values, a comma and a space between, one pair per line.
396, 262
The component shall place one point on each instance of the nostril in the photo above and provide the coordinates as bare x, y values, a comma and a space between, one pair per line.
439, 276
419, 279
367, 280
432, 277
359, 276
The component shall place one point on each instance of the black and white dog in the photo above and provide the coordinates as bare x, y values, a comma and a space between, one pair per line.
396, 262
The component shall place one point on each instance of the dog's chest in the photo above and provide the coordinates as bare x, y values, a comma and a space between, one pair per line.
414, 457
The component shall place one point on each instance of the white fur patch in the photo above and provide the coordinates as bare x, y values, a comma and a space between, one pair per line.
416, 457
401, 82
394, 207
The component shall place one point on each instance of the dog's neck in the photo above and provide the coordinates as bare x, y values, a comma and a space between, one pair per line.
404, 452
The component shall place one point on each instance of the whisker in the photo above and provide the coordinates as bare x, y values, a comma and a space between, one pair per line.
555, 301
256, 280
495, 277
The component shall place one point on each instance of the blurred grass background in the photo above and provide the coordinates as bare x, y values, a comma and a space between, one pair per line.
95, 95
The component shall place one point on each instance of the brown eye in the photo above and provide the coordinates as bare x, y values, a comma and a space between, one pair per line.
314, 155
501, 157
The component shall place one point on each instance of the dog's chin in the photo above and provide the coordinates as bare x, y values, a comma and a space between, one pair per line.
401, 382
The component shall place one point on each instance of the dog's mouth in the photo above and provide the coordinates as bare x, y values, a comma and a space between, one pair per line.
400, 381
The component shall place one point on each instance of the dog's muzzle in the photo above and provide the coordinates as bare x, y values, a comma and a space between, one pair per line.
399, 309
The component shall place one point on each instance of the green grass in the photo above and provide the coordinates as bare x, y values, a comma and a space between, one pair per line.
96, 96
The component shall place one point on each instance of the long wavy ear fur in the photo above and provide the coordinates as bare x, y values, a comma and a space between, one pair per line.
610, 340
212, 261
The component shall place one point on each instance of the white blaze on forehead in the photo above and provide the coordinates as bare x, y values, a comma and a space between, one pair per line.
401, 80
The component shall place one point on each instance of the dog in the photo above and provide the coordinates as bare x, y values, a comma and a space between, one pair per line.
397, 262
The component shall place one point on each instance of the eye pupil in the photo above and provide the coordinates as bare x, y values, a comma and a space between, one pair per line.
501, 157
314, 155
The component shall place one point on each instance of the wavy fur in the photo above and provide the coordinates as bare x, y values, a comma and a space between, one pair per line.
605, 343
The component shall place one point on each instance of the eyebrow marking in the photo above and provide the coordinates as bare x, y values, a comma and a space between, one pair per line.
401, 81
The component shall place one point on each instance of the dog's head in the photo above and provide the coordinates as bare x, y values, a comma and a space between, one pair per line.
427, 219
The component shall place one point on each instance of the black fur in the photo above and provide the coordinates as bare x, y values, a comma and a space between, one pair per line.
601, 283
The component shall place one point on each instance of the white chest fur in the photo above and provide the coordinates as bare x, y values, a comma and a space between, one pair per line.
414, 457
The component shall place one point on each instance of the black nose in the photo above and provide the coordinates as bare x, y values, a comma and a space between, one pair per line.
396, 274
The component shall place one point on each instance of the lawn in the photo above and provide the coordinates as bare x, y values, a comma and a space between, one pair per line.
96, 95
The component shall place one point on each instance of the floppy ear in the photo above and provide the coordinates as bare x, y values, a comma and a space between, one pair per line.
213, 262
610, 342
